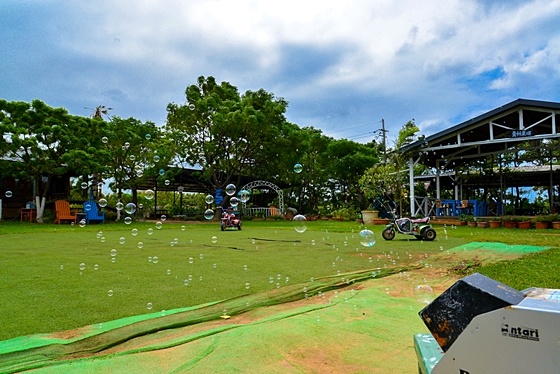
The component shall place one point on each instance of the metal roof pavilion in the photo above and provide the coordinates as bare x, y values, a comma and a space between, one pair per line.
519, 126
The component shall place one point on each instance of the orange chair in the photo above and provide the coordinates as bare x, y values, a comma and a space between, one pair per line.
272, 210
63, 212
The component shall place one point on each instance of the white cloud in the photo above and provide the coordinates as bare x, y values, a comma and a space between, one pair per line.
336, 62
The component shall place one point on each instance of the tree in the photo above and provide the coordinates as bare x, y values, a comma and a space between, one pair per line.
137, 152
41, 142
226, 134
387, 178
348, 160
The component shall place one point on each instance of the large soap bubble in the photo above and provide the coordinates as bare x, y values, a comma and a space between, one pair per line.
130, 208
209, 199
300, 223
9, 194
119, 206
298, 168
234, 201
367, 238
244, 196
230, 189
102, 202
209, 214
424, 293
149, 194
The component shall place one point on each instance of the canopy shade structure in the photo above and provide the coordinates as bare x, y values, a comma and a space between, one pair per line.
515, 145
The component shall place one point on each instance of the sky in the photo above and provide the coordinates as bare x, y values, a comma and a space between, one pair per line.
343, 66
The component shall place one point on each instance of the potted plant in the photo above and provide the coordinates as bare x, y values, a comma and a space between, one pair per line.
482, 223
509, 223
369, 215
556, 222
470, 221
543, 221
495, 223
463, 219
523, 222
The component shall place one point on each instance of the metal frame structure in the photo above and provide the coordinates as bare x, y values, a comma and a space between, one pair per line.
518, 126
261, 183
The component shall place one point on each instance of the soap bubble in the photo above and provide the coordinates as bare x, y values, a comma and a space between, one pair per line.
230, 189
82, 223
105, 139
127, 220
247, 285
183, 228
298, 168
367, 238
9, 194
84, 185
122, 240
134, 232
155, 260
244, 196
209, 199
191, 106
130, 208
126, 145
299, 222
191, 260
102, 202
234, 201
156, 158
148, 136
424, 293
95, 267
132, 157
119, 206
150, 231
167, 182
140, 245
110, 293
163, 217
159, 225
113, 252
208, 214
214, 239
313, 242
149, 306
82, 266
149, 194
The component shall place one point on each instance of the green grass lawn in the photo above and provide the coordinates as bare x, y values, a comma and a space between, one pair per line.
44, 289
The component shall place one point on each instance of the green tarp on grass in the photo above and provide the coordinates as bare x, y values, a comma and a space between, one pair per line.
346, 324
500, 248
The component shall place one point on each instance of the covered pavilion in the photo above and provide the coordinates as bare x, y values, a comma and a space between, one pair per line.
515, 145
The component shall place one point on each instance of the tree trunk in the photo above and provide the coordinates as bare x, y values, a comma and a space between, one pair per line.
40, 201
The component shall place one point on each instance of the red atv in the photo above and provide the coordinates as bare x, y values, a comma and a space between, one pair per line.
230, 221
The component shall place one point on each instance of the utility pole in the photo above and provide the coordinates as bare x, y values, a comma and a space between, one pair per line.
384, 141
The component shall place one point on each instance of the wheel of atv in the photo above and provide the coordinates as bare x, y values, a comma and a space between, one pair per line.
239, 226
388, 233
429, 234
223, 226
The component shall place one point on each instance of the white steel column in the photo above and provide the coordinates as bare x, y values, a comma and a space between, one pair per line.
438, 192
411, 181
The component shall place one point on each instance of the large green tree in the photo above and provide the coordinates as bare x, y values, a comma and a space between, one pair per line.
137, 150
226, 134
41, 142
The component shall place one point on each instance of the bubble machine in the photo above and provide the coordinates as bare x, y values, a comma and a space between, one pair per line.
481, 326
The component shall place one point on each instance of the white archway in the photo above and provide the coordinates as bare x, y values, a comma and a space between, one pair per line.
261, 183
